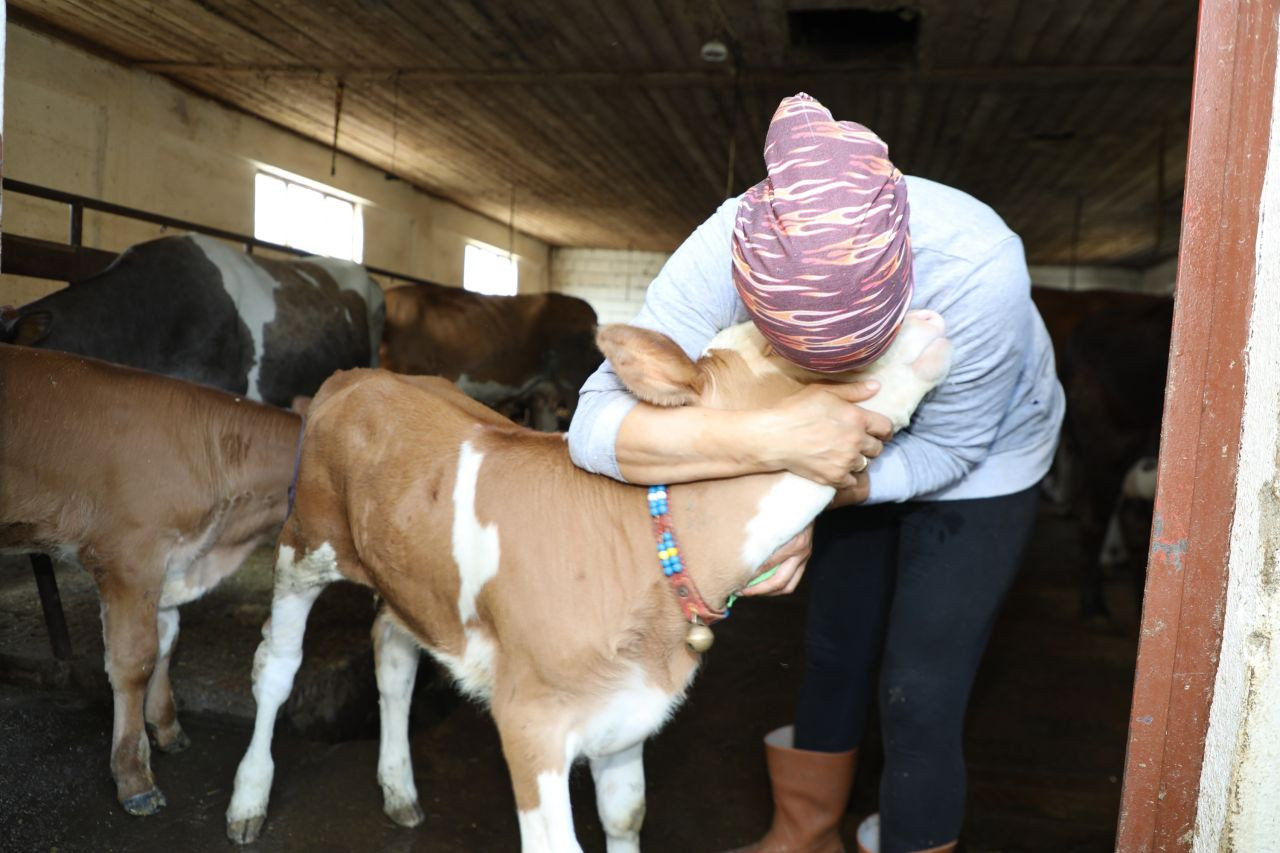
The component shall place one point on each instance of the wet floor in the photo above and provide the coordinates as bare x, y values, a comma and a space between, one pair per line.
1045, 736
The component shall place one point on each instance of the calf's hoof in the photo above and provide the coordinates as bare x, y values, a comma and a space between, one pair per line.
404, 812
146, 803
245, 831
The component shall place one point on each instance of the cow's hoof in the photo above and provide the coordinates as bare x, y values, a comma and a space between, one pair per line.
245, 831
146, 803
405, 813
176, 743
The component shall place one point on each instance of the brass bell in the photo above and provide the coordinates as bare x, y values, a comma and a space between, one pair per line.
699, 638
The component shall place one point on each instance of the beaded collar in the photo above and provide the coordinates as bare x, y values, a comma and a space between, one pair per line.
692, 604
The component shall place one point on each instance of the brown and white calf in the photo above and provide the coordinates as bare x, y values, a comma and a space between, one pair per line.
159, 488
535, 583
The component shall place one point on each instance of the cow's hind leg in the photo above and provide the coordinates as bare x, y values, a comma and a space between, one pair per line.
297, 584
129, 636
619, 780
161, 715
395, 655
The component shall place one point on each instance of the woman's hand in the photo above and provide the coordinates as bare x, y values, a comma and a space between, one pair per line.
790, 561
821, 434
855, 494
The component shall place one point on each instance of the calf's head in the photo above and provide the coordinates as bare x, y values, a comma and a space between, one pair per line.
739, 370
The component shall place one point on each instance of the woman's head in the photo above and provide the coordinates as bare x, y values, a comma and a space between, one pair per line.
821, 252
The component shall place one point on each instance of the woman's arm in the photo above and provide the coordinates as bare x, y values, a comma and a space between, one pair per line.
818, 433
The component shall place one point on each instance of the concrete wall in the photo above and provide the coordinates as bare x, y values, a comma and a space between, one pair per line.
78, 123
1157, 279
613, 281
1237, 808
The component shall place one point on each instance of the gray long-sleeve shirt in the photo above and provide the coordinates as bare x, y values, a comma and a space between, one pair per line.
991, 427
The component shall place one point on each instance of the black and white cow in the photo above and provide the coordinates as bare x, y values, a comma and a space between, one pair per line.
195, 308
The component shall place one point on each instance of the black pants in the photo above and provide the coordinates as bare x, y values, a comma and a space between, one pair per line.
919, 584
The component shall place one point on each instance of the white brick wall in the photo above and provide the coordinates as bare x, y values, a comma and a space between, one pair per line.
613, 281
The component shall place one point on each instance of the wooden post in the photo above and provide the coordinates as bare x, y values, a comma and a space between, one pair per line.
1204, 404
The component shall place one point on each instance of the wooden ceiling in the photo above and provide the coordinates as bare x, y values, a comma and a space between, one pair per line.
602, 123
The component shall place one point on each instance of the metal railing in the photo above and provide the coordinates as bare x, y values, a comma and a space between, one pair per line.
78, 204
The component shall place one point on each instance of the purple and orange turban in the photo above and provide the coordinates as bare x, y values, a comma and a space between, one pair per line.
821, 253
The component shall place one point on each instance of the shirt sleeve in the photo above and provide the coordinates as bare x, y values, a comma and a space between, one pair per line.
988, 316
691, 299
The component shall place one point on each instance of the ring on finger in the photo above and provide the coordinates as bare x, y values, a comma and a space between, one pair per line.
862, 466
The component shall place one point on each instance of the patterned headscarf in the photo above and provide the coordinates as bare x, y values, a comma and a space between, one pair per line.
821, 252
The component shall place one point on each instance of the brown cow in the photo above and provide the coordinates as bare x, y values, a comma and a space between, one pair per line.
1063, 310
535, 583
1114, 371
1112, 353
160, 488
510, 352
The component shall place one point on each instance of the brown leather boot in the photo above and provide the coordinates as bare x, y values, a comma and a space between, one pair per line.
869, 838
810, 791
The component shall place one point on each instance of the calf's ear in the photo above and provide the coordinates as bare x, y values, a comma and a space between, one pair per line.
650, 365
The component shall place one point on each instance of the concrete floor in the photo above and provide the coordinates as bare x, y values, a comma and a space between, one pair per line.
1046, 732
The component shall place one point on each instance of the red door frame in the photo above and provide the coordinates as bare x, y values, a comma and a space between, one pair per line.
1204, 403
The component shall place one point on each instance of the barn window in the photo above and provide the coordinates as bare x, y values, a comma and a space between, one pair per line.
307, 216
489, 270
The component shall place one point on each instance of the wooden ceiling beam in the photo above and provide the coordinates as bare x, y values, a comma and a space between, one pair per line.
1019, 74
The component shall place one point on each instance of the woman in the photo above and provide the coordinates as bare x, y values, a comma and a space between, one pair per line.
825, 256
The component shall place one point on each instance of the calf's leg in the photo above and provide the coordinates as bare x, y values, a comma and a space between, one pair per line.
619, 780
395, 655
538, 758
161, 715
276, 662
129, 635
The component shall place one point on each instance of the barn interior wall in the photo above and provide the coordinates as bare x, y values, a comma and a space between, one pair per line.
612, 281
82, 124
